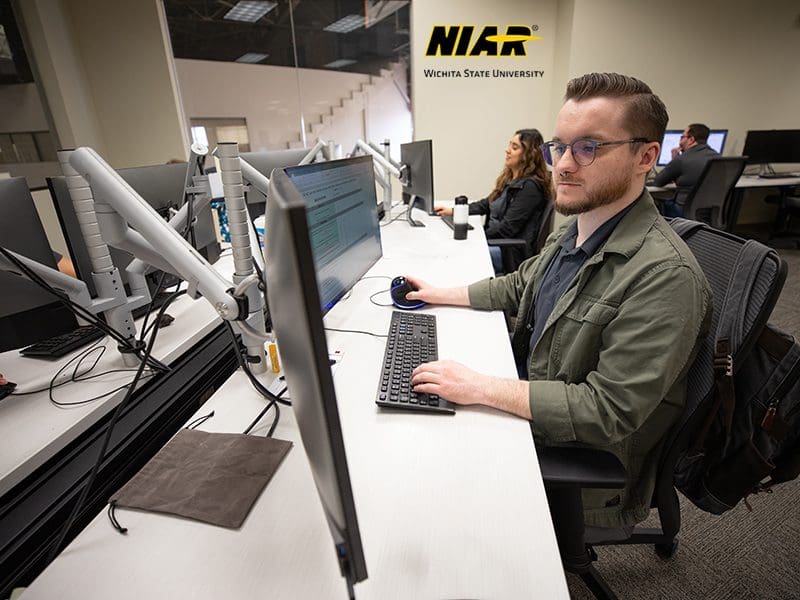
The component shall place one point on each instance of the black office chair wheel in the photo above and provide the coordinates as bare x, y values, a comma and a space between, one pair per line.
666, 551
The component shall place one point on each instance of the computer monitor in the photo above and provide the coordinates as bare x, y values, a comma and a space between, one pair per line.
28, 314
342, 211
264, 162
162, 186
418, 159
322, 223
772, 146
716, 140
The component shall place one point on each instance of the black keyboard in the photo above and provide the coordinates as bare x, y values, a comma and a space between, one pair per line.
58, 346
448, 219
412, 341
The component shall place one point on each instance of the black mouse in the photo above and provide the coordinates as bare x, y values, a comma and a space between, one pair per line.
398, 290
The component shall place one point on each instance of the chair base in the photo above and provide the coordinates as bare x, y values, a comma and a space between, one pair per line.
597, 585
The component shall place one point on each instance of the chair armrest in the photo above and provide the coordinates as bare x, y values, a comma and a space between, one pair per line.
507, 242
584, 467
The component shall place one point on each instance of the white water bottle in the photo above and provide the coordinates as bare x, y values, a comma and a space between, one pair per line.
460, 214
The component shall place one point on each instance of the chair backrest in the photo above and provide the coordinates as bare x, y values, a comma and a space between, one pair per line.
707, 200
545, 227
717, 253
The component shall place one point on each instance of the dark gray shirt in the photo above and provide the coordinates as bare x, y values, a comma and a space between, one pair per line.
560, 273
685, 170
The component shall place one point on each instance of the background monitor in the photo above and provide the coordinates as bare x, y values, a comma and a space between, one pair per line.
342, 212
28, 314
264, 162
162, 186
418, 158
304, 222
716, 140
772, 146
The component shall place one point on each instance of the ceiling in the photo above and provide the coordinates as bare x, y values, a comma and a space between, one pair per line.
199, 30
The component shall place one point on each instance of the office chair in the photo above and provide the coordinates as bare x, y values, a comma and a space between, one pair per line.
707, 201
567, 470
515, 250
788, 204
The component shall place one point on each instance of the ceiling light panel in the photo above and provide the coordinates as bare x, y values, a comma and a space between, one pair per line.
346, 24
251, 57
249, 11
338, 64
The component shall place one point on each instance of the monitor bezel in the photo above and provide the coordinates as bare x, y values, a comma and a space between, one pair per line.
424, 147
296, 309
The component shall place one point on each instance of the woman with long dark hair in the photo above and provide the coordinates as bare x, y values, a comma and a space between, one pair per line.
515, 206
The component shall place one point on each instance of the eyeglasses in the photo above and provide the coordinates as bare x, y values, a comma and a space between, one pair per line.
583, 151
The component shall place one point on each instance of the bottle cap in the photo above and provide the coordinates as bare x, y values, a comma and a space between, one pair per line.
461, 199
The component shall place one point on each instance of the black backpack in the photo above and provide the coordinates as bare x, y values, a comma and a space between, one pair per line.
743, 401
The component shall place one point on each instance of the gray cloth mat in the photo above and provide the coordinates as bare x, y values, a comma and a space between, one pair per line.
210, 477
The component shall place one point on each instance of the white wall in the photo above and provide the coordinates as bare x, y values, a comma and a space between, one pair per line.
21, 109
354, 105
107, 75
471, 120
731, 65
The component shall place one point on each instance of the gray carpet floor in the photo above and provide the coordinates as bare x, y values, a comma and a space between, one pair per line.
741, 554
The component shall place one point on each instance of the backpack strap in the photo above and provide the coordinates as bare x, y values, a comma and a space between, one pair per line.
728, 340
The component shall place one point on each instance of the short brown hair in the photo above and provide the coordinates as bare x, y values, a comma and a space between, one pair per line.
699, 132
646, 116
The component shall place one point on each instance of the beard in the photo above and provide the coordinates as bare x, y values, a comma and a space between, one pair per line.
603, 193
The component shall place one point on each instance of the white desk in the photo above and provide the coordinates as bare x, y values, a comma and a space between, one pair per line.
32, 429
744, 182
489, 537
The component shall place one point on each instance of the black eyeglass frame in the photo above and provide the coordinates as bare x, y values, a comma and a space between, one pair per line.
547, 147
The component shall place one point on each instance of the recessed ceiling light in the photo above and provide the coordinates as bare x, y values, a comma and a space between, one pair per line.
251, 57
338, 64
346, 24
249, 10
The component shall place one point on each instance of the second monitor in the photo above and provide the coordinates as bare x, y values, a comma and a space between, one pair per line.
716, 140
418, 188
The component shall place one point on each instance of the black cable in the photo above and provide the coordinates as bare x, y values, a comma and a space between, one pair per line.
199, 421
78, 309
243, 364
377, 335
264, 411
159, 285
104, 446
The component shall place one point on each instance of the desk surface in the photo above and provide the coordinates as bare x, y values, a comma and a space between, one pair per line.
745, 181
33, 429
448, 507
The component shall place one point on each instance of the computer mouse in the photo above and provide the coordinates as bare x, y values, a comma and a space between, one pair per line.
398, 290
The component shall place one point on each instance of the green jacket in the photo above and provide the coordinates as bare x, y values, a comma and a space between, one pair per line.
609, 370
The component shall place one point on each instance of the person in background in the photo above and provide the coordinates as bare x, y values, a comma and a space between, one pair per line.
611, 312
684, 170
515, 206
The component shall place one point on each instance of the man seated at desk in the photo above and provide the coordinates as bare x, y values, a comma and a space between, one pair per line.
687, 164
609, 314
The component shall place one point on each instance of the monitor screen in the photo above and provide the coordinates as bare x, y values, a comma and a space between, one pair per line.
341, 206
418, 158
264, 162
162, 187
28, 313
304, 224
772, 146
716, 140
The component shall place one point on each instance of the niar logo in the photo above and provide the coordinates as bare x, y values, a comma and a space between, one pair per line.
455, 40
